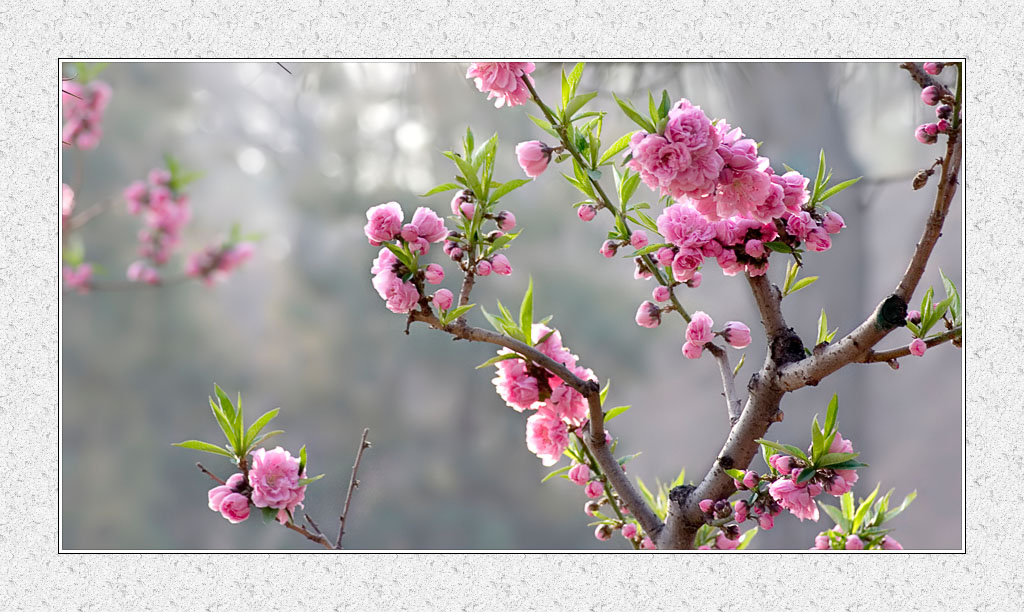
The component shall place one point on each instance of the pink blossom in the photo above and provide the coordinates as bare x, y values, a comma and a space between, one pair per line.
917, 347
821, 542
794, 187
629, 531
591, 507
661, 293
586, 212
854, 542
736, 334
698, 330
533, 157
506, 221
705, 505
691, 350
741, 510
639, 239
427, 225
766, 521
640, 272
217, 494
83, 110
609, 248
741, 190
648, 315
833, 222
515, 385
434, 274
400, 296
797, 498
483, 267
384, 222
914, 316
579, 473
461, 197
594, 489
67, 204
757, 269
500, 265
234, 507
657, 160
689, 126
502, 80
773, 205
818, 240
684, 266
443, 299
647, 544
750, 479
754, 248
140, 272
944, 125
800, 224
216, 262
683, 226
926, 133
603, 532
665, 256
930, 95
890, 543
568, 403
274, 478
724, 543
933, 68
79, 277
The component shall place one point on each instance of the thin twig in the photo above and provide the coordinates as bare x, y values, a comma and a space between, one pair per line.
319, 539
903, 351
209, 473
77, 221
352, 484
312, 523
283, 68
733, 404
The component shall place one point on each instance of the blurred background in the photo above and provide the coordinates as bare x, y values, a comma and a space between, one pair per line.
299, 156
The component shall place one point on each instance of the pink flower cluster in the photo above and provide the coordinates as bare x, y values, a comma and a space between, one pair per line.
558, 406
928, 133
851, 542
503, 81
214, 263
79, 277
165, 215
401, 296
67, 202
274, 478
798, 498
229, 500
699, 333
83, 113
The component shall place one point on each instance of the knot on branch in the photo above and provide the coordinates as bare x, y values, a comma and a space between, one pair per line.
892, 313
787, 347
679, 495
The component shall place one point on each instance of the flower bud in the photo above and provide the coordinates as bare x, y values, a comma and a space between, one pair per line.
641, 271
766, 521
648, 315
456, 254
741, 510
918, 347
434, 274
691, 350
694, 282
533, 157
930, 95
943, 125
833, 222
647, 544
609, 248
737, 335
603, 532
639, 239
821, 542
505, 220
443, 299
731, 532
629, 531
594, 489
914, 316
579, 473
665, 256
890, 543
460, 198
586, 212
706, 505
854, 543
750, 479
591, 507
500, 265
483, 267
944, 111
933, 68
922, 133
661, 293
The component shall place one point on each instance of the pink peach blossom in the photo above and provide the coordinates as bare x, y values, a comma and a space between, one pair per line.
506, 221
639, 239
833, 222
586, 212
594, 489
443, 299
503, 81
428, 225
691, 350
854, 542
736, 334
533, 157
918, 347
579, 473
546, 436
384, 222
234, 507
890, 543
433, 274
797, 498
661, 293
629, 531
648, 315
274, 478
483, 267
698, 330
500, 265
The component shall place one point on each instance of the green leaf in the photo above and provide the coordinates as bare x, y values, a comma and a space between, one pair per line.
805, 475
836, 189
836, 516
577, 103
268, 514
629, 185
747, 538
817, 441
225, 403
402, 255
604, 392
495, 322
818, 178
652, 108
862, 510
556, 473
266, 436
442, 188
791, 271
822, 327
526, 311
795, 451
736, 474
614, 412
544, 125
647, 249
574, 77
953, 296
306, 481
594, 175
565, 90
258, 426
302, 458
205, 447
739, 364
616, 147
847, 503
803, 282
831, 459
833, 412
468, 143
850, 464
898, 509
225, 425
494, 360
468, 172
666, 104
626, 459
779, 247
506, 188
630, 112
680, 479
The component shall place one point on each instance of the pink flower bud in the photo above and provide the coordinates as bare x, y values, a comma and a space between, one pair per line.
754, 248
579, 473
918, 347
832, 222
434, 274
818, 240
586, 212
724, 543
456, 254
821, 542
784, 465
766, 521
500, 265
629, 531
691, 350
609, 248
736, 334
922, 135
854, 543
409, 233
594, 489
483, 267
943, 125
639, 239
698, 330
533, 157
648, 315
741, 510
944, 111
641, 271
505, 220
694, 282
665, 256
443, 299
750, 479
933, 68
468, 209
591, 507
603, 532
914, 316
930, 95
706, 505
460, 198
661, 293
647, 544
234, 507
890, 543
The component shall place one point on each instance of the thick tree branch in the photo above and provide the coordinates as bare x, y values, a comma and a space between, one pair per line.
589, 389
903, 351
352, 484
769, 304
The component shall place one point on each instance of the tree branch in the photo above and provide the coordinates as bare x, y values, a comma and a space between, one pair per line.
209, 473
319, 539
590, 389
352, 484
733, 404
903, 351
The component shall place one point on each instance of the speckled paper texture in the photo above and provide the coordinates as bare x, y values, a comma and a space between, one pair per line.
34, 35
